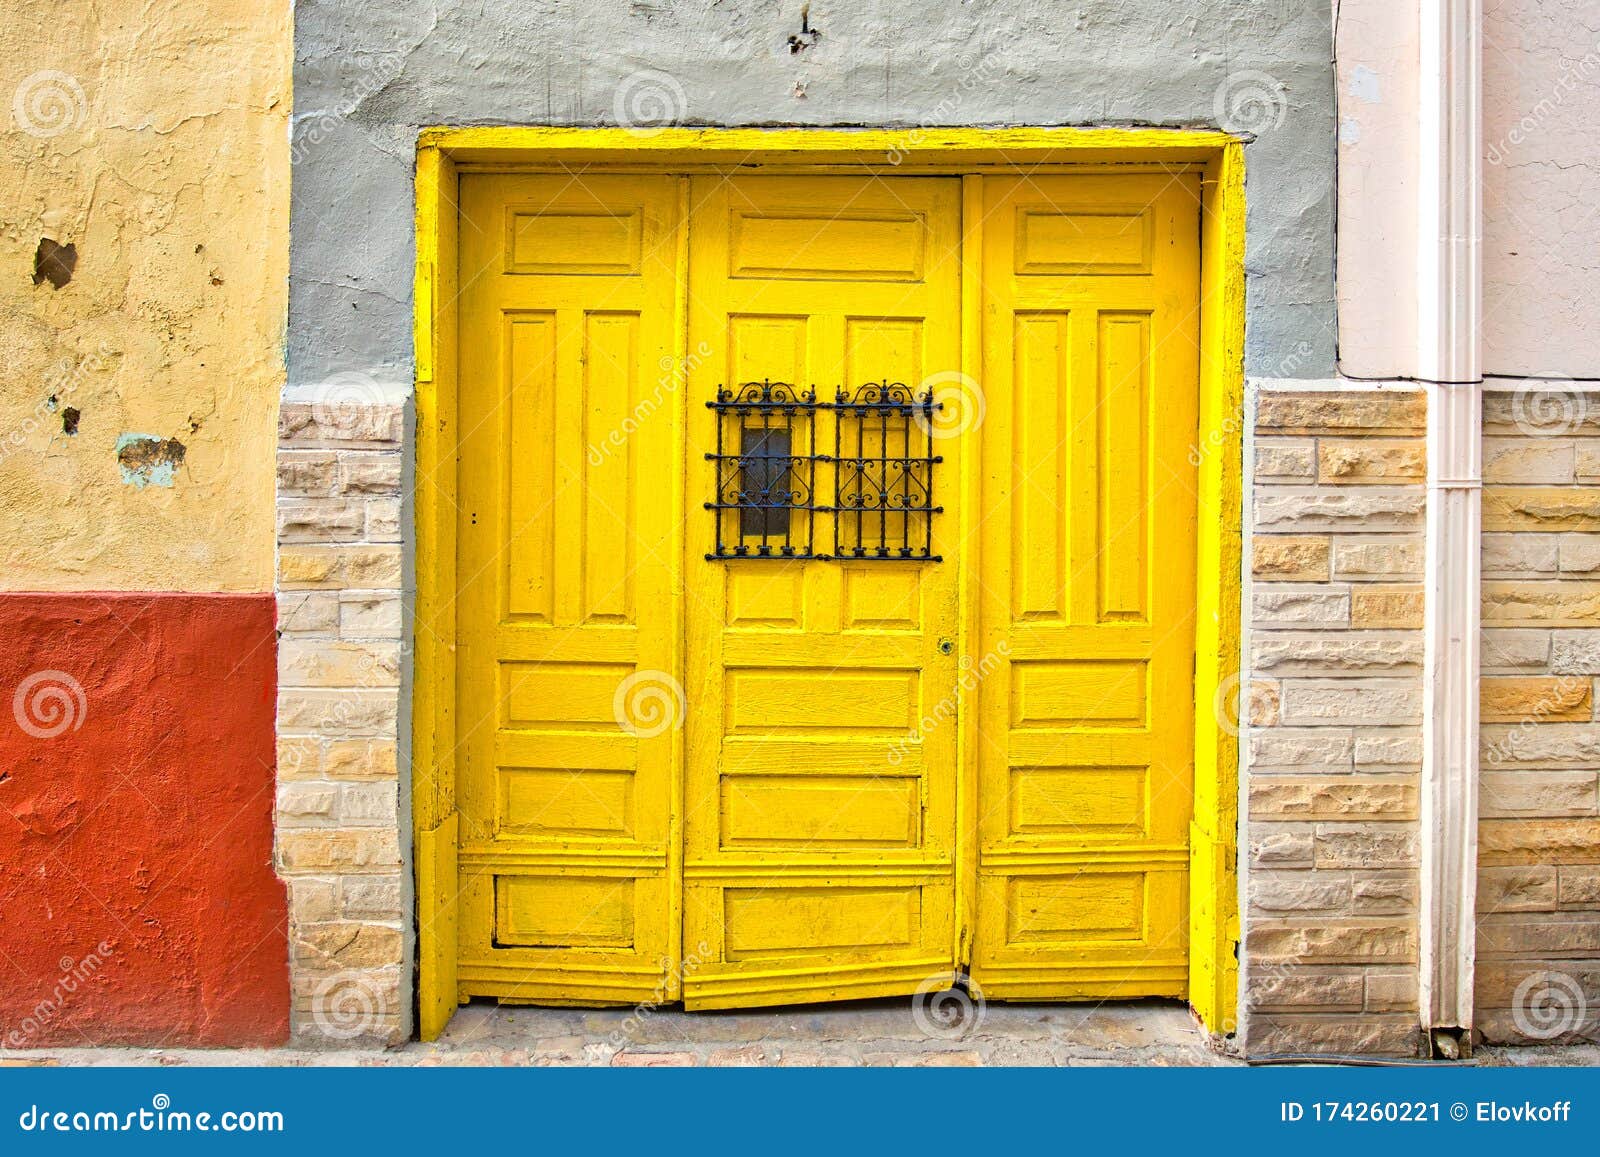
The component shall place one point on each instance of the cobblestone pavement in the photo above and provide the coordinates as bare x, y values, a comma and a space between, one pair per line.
888, 1032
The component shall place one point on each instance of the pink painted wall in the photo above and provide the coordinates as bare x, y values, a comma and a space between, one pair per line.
1378, 53
1541, 220
1541, 252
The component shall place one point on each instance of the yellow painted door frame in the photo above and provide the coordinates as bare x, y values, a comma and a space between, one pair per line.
970, 154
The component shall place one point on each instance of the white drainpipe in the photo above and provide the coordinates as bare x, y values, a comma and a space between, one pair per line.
1450, 277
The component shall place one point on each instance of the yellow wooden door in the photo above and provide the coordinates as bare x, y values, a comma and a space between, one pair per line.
819, 818
1090, 365
734, 779
568, 636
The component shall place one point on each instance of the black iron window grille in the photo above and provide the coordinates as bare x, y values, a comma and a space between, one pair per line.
770, 469
883, 476
766, 471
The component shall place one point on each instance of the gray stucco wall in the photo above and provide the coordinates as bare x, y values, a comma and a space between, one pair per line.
368, 76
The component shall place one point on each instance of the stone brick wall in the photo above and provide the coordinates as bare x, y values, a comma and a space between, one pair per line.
1539, 801
1333, 705
340, 666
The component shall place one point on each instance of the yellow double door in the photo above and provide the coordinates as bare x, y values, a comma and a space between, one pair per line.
795, 663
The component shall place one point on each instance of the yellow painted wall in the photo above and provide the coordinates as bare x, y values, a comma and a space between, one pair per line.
154, 138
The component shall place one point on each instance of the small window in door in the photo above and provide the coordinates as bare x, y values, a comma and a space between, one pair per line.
766, 471
765, 483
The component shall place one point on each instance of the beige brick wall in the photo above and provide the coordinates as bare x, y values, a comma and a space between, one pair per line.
340, 669
1331, 727
1539, 801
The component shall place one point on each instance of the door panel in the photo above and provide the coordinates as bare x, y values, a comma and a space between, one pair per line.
1090, 360
820, 777
568, 564
735, 780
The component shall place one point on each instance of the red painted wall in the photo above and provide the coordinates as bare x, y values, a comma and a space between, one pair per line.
138, 901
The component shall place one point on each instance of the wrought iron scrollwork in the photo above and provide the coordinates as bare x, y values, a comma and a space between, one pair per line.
767, 462
768, 478
883, 477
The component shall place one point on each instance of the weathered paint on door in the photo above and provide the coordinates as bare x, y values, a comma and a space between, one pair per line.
819, 824
1085, 766
785, 829
569, 577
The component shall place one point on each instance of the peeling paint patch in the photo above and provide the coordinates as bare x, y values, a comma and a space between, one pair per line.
1366, 85
54, 263
807, 36
146, 459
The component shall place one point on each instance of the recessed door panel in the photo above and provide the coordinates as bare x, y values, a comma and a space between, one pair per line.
1085, 764
820, 808
567, 569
